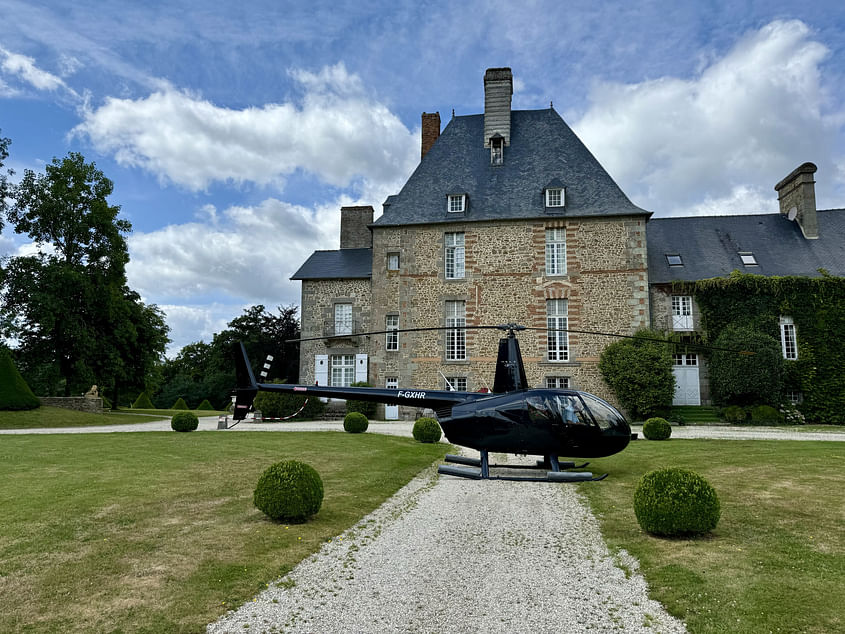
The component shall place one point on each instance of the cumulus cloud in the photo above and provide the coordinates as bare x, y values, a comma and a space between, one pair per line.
719, 142
335, 131
192, 323
24, 68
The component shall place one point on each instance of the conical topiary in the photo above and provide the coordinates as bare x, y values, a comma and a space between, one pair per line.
14, 391
179, 404
205, 405
143, 402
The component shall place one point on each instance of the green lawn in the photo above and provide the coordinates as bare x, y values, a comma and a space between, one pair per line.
58, 417
156, 531
776, 561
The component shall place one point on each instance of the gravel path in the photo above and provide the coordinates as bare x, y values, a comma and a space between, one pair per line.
450, 555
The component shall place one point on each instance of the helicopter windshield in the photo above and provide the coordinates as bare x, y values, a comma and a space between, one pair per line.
548, 406
604, 413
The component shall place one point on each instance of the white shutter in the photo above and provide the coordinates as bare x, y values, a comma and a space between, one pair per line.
360, 368
321, 369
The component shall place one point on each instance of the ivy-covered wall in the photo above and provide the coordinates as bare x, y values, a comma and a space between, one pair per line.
816, 305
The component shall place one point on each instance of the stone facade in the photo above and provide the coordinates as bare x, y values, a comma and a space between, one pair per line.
318, 301
606, 285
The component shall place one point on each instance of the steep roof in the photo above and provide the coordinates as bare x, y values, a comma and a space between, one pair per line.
709, 246
335, 265
543, 152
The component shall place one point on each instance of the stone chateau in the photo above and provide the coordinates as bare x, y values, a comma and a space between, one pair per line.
509, 218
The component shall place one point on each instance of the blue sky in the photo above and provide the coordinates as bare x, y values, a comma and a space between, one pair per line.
235, 134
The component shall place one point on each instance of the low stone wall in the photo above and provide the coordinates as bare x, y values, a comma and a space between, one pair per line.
78, 403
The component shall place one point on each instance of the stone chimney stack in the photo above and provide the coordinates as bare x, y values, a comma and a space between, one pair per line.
354, 232
430, 131
797, 199
498, 89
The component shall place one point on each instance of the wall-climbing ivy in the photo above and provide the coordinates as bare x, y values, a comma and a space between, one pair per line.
817, 307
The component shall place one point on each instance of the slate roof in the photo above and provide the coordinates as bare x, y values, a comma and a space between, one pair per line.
339, 264
709, 246
543, 150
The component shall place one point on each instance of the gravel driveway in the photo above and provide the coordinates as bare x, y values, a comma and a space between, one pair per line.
451, 555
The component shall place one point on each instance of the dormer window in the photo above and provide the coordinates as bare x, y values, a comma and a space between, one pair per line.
554, 197
456, 203
747, 258
497, 150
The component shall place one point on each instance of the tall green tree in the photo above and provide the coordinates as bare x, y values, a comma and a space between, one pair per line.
4, 181
68, 305
207, 370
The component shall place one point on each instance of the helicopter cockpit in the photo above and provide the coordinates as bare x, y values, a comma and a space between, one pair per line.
574, 408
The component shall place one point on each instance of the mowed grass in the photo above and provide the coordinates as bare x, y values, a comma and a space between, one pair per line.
776, 561
156, 531
43, 417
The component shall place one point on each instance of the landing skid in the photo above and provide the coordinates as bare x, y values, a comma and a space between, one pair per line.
482, 468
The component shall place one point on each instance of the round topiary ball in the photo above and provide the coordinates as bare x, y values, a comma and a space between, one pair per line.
657, 429
355, 423
675, 501
289, 491
427, 430
184, 421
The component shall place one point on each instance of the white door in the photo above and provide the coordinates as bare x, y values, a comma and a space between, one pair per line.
687, 389
391, 412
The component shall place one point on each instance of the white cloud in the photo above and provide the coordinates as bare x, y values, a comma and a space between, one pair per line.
719, 142
192, 323
24, 68
337, 133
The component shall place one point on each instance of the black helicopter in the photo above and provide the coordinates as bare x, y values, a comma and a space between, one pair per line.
512, 419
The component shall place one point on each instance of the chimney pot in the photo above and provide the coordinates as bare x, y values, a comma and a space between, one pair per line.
498, 90
797, 199
430, 131
354, 230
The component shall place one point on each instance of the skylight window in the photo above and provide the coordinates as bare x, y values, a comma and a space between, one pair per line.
674, 259
747, 258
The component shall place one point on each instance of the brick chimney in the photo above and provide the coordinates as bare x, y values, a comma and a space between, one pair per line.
797, 199
354, 232
430, 131
498, 89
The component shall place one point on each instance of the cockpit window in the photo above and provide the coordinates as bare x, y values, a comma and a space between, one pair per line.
549, 406
604, 413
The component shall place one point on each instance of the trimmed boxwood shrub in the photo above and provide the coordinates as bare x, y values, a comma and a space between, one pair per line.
355, 423
427, 430
14, 390
289, 491
766, 415
143, 402
734, 414
674, 502
367, 408
206, 406
184, 421
657, 429
179, 404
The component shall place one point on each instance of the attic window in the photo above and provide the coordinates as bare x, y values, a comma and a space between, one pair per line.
457, 203
497, 150
674, 259
554, 197
747, 258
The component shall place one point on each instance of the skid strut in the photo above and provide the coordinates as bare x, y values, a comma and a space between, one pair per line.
479, 469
